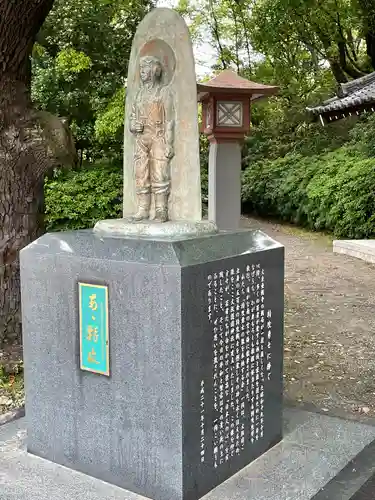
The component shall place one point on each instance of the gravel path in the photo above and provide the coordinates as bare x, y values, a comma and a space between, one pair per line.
329, 323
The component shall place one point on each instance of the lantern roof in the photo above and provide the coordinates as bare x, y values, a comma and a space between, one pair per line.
229, 82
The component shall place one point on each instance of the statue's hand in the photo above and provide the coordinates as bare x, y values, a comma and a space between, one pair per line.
136, 127
169, 152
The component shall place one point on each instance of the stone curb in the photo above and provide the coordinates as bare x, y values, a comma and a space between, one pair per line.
12, 415
334, 412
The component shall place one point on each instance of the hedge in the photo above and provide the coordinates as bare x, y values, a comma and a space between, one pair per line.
78, 199
332, 192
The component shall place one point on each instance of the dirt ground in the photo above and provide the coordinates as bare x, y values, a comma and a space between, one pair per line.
329, 323
329, 327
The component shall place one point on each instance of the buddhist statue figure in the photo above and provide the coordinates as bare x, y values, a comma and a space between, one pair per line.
152, 122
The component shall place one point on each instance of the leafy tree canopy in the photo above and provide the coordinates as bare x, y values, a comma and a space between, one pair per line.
80, 64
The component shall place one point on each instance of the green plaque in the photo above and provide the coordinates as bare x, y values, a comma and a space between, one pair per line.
94, 329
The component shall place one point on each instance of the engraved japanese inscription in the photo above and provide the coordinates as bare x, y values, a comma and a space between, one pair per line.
152, 122
242, 333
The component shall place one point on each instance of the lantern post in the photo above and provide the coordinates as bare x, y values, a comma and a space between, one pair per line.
226, 106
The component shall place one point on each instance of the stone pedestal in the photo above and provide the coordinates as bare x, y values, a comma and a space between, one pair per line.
224, 185
194, 391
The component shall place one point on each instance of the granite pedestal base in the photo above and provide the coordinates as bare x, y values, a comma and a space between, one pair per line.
195, 334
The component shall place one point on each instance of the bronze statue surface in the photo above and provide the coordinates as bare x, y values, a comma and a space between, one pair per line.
152, 122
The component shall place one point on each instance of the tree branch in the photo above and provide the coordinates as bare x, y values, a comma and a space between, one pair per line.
236, 36
215, 28
245, 31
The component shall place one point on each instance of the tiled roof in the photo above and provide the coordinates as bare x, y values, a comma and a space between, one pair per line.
351, 94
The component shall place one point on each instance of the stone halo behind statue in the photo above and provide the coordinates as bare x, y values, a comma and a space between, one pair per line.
162, 189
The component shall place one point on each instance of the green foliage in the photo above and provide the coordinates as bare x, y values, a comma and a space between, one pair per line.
203, 146
294, 169
332, 191
363, 135
12, 394
80, 64
304, 47
70, 61
77, 200
285, 131
224, 25
301, 35
109, 125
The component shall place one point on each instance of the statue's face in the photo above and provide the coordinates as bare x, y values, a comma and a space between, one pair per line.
149, 71
145, 70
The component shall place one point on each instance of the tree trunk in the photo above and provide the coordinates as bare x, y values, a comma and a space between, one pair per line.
337, 71
370, 43
346, 67
368, 13
21, 199
27, 150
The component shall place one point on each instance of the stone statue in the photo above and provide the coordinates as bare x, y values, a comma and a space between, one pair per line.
162, 182
152, 122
